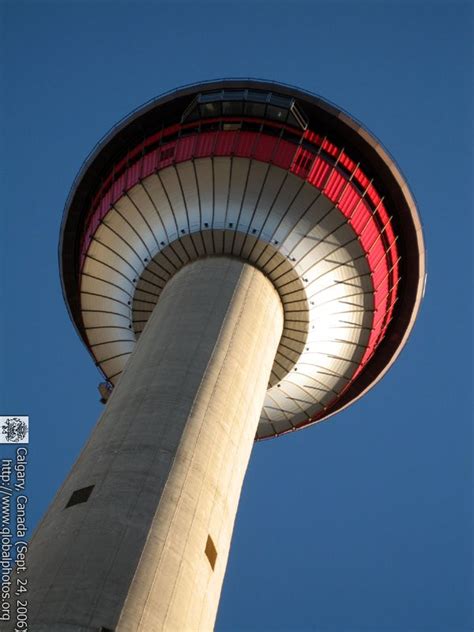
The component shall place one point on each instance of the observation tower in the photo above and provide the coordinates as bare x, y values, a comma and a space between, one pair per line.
242, 260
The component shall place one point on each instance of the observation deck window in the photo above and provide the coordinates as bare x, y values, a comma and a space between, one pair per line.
232, 108
248, 103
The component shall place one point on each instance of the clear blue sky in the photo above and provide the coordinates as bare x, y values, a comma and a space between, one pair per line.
362, 523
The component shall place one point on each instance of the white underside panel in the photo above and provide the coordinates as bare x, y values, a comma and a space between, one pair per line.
248, 209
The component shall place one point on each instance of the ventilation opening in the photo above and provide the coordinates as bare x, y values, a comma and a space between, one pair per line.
80, 496
211, 552
231, 126
106, 630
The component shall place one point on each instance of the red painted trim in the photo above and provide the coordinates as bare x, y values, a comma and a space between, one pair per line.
327, 168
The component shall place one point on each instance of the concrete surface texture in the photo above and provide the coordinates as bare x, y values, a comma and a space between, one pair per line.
144, 545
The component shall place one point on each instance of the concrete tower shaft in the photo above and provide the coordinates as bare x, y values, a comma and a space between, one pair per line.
165, 462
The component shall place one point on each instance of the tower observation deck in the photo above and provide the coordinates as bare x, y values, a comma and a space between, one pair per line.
241, 259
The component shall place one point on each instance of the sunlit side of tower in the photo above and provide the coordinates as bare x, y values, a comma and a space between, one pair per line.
242, 260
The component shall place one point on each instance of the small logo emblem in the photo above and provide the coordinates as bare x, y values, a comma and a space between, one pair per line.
14, 429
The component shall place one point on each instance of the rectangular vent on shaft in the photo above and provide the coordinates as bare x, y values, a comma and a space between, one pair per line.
211, 552
80, 496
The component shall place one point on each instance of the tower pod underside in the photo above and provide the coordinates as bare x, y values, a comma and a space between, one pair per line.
271, 175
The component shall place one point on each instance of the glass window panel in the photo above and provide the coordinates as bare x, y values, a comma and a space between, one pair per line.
292, 121
234, 95
211, 109
300, 116
192, 116
211, 96
232, 108
276, 113
260, 97
281, 101
256, 110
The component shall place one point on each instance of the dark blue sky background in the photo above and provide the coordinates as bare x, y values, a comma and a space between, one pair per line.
362, 523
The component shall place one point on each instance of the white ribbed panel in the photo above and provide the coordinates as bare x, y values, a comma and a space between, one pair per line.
292, 233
